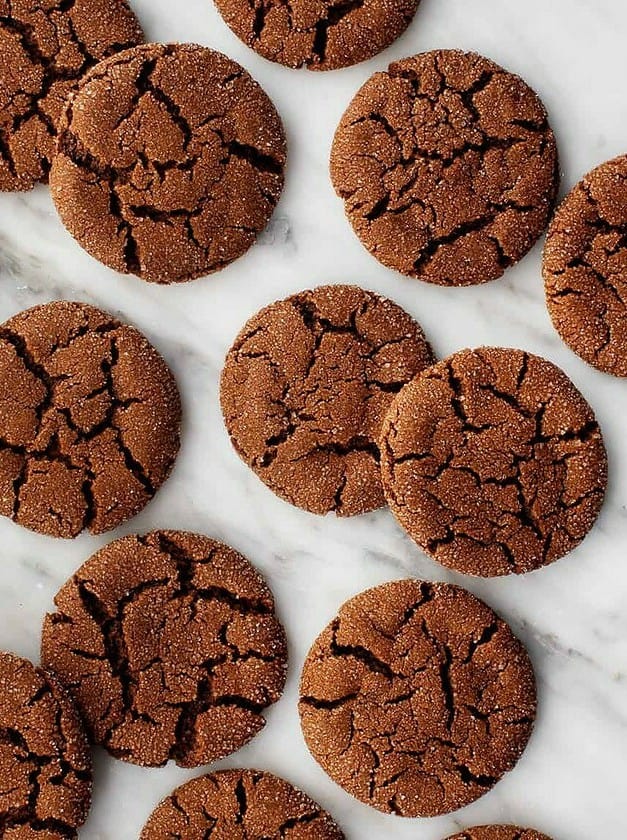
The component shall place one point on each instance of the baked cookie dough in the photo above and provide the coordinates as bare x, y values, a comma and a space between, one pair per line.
250, 804
493, 462
305, 388
447, 167
89, 420
45, 48
319, 36
499, 832
585, 268
170, 162
170, 646
45, 762
417, 698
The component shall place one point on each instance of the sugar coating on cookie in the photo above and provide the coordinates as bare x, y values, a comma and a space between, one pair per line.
585, 268
170, 162
45, 761
493, 462
499, 832
170, 646
305, 388
319, 36
89, 420
45, 48
234, 804
417, 698
447, 167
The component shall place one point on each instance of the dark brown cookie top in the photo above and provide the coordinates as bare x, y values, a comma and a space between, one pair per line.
417, 698
170, 162
240, 805
45, 48
89, 420
45, 762
447, 166
305, 389
493, 462
324, 35
499, 832
585, 268
170, 646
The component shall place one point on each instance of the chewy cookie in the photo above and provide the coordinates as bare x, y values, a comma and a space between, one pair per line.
320, 36
234, 804
499, 832
170, 162
45, 762
585, 268
305, 388
170, 646
493, 462
89, 420
45, 48
447, 167
417, 698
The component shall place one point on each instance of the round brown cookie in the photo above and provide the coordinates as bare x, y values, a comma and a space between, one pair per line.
45, 762
89, 420
417, 698
240, 805
320, 36
45, 48
170, 162
305, 388
499, 832
447, 167
493, 462
170, 646
585, 268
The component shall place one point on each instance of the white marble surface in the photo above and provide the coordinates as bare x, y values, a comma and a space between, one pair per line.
571, 782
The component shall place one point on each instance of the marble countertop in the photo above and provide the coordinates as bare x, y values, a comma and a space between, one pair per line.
573, 615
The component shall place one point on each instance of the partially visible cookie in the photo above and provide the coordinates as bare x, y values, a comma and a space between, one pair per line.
417, 698
447, 167
170, 646
89, 420
305, 388
170, 162
45, 762
45, 48
319, 36
493, 462
499, 832
585, 268
234, 804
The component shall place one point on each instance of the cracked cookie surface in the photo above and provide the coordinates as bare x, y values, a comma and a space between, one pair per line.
45, 48
89, 420
170, 646
305, 389
585, 268
493, 462
447, 167
499, 832
170, 162
417, 698
325, 35
45, 762
240, 805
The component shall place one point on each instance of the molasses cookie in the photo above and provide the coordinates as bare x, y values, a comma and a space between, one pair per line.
493, 462
45, 48
170, 162
320, 36
447, 166
499, 832
249, 804
417, 698
89, 420
585, 268
45, 762
305, 388
170, 646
